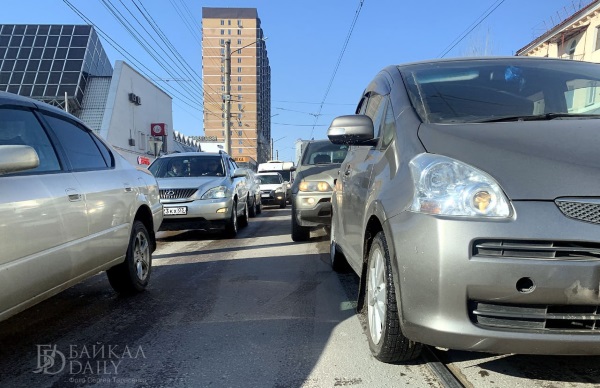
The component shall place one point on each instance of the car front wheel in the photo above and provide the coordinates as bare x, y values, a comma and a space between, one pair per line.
386, 340
338, 262
231, 227
299, 233
252, 208
243, 221
133, 274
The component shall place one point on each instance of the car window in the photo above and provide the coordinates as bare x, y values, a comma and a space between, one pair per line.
21, 127
324, 153
271, 179
81, 149
388, 126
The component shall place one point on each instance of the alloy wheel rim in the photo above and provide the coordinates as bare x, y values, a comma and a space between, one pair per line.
376, 295
141, 256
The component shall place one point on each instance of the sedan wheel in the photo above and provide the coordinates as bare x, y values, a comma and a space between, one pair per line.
338, 261
134, 273
231, 228
386, 340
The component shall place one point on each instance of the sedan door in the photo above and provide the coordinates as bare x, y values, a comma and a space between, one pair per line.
42, 217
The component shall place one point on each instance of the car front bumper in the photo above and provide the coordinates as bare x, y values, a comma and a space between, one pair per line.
201, 214
312, 209
271, 197
501, 300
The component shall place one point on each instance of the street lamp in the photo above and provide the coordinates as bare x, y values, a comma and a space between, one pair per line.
273, 142
227, 95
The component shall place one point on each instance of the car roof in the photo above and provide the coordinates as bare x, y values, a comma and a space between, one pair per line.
192, 153
15, 99
268, 173
477, 59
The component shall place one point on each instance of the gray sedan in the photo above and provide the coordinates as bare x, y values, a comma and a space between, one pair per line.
469, 205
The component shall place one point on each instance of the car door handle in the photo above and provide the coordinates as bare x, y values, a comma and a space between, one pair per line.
128, 188
74, 195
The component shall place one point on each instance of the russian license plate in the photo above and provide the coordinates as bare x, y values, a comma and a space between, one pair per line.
174, 210
265, 196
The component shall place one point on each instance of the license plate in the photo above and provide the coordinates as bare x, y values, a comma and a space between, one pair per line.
174, 210
265, 195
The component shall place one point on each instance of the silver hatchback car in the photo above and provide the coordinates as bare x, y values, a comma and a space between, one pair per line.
70, 207
202, 190
469, 204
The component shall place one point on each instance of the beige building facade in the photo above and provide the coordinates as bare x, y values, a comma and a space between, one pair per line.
577, 37
250, 81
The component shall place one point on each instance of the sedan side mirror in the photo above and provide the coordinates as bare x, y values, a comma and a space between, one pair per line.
352, 130
17, 158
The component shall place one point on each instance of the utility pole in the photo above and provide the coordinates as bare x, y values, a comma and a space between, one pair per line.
227, 96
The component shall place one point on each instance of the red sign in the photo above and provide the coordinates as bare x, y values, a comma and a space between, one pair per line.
143, 160
158, 129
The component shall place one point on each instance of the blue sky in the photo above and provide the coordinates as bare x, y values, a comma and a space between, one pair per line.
305, 41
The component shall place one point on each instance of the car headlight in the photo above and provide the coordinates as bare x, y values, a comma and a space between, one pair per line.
216, 192
314, 186
446, 186
279, 190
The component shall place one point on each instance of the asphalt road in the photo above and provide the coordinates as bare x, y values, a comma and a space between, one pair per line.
255, 311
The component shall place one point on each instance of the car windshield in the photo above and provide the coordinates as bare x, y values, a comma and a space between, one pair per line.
496, 90
187, 166
269, 179
324, 153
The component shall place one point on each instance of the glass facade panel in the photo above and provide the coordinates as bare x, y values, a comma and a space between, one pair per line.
30, 30
43, 29
61, 53
17, 77
69, 77
79, 41
42, 78
36, 53
28, 41
54, 77
67, 30
33, 65
55, 30
26, 90
13, 89
82, 30
58, 65
40, 41
38, 91
4, 77
76, 53
45, 65
15, 41
51, 90
71, 65
7, 29
64, 41
52, 41
12, 52
20, 65
24, 53
19, 30
49, 53
4, 41
29, 77
8, 65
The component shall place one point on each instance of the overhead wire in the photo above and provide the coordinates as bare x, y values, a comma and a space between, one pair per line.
134, 61
471, 27
337, 65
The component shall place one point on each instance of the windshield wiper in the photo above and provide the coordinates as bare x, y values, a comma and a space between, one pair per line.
541, 117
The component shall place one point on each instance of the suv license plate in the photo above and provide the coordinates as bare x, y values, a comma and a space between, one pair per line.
174, 210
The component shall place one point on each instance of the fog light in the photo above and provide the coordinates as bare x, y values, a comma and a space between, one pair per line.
308, 201
222, 210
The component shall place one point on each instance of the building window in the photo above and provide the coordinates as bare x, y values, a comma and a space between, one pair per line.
222, 88
240, 142
239, 124
223, 133
228, 32
240, 150
239, 23
239, 32
222, 42
597, 38
240, 107
222, 32
572, 49
239, 41
228, 22
591, 95
239, 97
240, 133
222, 22
222, 51
239, 69
239, 88
239, 116
239, 79
239, 60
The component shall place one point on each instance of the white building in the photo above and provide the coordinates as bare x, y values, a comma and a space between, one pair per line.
134, 115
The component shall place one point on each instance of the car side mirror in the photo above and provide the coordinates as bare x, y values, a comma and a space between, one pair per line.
17, 158
352, 130
238, 173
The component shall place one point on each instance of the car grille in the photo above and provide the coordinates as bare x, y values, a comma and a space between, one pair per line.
586, 210
546, 318
176, 193
526, 249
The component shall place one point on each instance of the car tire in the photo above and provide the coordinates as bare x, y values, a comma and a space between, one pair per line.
338, 261
252, 209
283, 204
299, 233
386, 340
231, 227
243, 221
132, 275
259, 207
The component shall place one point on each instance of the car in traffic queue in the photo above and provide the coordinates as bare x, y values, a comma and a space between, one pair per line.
313, 186
469, 205
254, 193
70, 207
273, 189
202, 190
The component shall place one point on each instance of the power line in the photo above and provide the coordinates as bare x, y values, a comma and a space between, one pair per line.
337, 65
313, 103
469, 29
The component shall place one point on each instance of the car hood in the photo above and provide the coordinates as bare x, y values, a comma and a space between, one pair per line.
272, 186
531, 160
202, 183
319, 172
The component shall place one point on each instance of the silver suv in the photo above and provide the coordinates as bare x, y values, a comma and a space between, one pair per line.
70, 207
202, 190
313, 185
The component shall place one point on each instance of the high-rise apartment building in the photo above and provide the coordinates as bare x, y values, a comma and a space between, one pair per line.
250, 81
